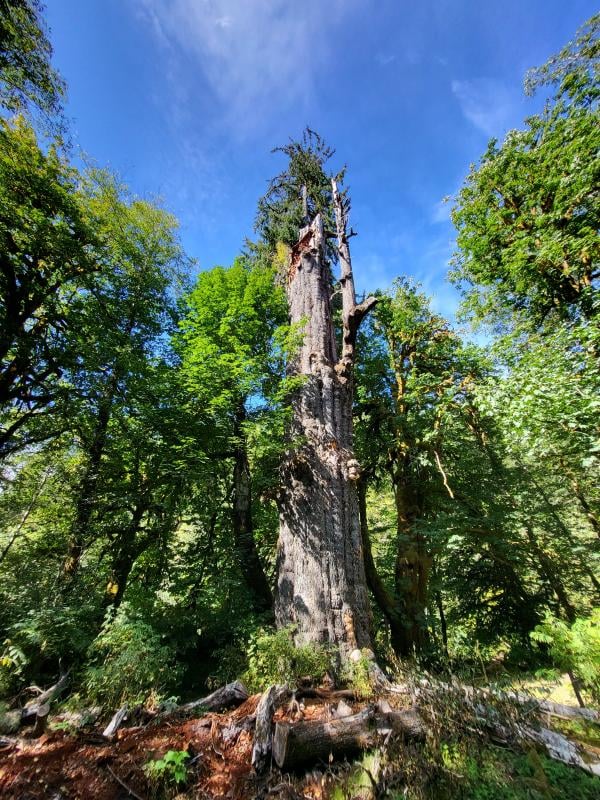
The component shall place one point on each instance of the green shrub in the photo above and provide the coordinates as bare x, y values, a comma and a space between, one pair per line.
169, 771
356, 675
574, 648
274, 658
128, 661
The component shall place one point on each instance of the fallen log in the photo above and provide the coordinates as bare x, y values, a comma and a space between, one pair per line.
263, 730
546, 706
233, 694
115, 723
309, 742
557, 746
562, 749
557, 709
41, 720
29, 712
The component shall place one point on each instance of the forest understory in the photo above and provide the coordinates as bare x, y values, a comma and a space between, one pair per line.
415, 740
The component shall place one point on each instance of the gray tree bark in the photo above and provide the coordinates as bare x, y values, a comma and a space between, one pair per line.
321, 587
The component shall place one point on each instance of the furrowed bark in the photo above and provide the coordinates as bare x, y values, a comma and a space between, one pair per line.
303, 743
321, 587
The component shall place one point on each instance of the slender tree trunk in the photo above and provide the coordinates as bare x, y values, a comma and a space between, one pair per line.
125, 551
561, 526
583, 502
321, 586
88, 485
550, 573
386, 600
440, 607
243, 528
413, 565
25, 516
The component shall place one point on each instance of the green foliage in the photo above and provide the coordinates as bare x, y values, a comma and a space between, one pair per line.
48, 247
26, 74
274, 658
575, 70
232, 339
574, 648
494, 774
528, 215
280, 212
127, 661
356, 674
169, 771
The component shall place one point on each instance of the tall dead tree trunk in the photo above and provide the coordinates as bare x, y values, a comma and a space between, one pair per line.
321, 586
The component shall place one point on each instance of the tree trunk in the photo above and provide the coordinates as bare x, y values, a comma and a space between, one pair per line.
88, 485
321, 586
413, 564
550, 573
386, 600
243, 529
311, 742
125, 550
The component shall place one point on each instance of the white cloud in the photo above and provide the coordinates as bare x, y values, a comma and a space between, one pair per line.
487, 103
441, 211
254, 55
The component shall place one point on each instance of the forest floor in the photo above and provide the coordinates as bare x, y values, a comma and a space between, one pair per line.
63, 765
68, 764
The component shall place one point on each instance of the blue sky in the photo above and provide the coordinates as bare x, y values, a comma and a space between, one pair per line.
186, 98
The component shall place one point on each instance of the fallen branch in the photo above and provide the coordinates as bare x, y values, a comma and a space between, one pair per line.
263, 731
30, 712
557, 746
546, 706
115, 723
127, 788
233, 694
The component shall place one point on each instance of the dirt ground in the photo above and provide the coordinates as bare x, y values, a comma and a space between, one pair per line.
64, 766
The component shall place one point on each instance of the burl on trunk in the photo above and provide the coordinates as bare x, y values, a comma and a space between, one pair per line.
321, 586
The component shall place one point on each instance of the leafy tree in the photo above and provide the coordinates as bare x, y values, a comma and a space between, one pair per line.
48, 256
121, 322
26, 74
232, 346
297, 194
528, 215
418, 432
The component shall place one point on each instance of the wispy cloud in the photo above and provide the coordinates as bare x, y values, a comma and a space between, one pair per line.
487, 103
255, 56
441, 211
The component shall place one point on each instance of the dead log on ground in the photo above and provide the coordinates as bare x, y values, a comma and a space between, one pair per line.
115, 723
29, 713
546, 706
41, 720
263, 731
233, 694
557, 746
309, 742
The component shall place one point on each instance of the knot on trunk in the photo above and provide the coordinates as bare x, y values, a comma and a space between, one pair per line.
353, 469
